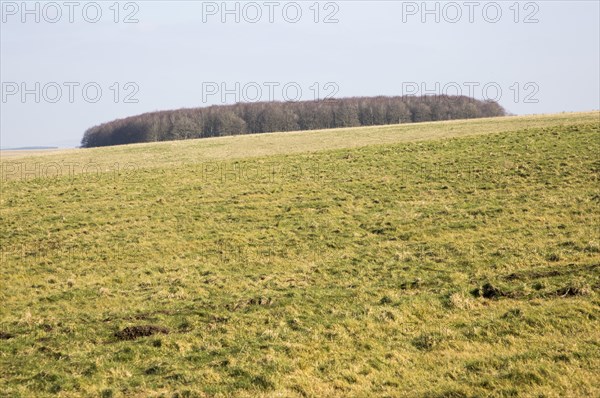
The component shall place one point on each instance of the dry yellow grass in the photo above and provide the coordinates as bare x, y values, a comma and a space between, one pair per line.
436, 260
249, 146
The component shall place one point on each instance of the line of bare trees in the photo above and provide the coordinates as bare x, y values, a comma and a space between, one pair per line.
264, 117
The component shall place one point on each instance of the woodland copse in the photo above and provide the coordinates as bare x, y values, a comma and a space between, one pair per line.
266, 117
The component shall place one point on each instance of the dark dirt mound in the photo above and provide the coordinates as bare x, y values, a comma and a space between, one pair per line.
5, 336
571, 291
134, 332
488, 291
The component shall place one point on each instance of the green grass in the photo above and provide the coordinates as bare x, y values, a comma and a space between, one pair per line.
464, 265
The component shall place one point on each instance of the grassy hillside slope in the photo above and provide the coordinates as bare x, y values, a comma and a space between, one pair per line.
441, 259
266, 144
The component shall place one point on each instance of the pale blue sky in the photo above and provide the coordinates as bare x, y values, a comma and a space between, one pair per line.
375, 48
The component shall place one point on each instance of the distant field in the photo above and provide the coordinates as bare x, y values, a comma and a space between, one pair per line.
246, 146
450, 259
6, 154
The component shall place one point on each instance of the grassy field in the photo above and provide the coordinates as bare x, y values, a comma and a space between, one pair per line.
452, 259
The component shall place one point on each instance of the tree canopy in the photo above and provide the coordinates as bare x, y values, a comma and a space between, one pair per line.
265, 117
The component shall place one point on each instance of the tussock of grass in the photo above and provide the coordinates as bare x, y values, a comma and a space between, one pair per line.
464, 266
